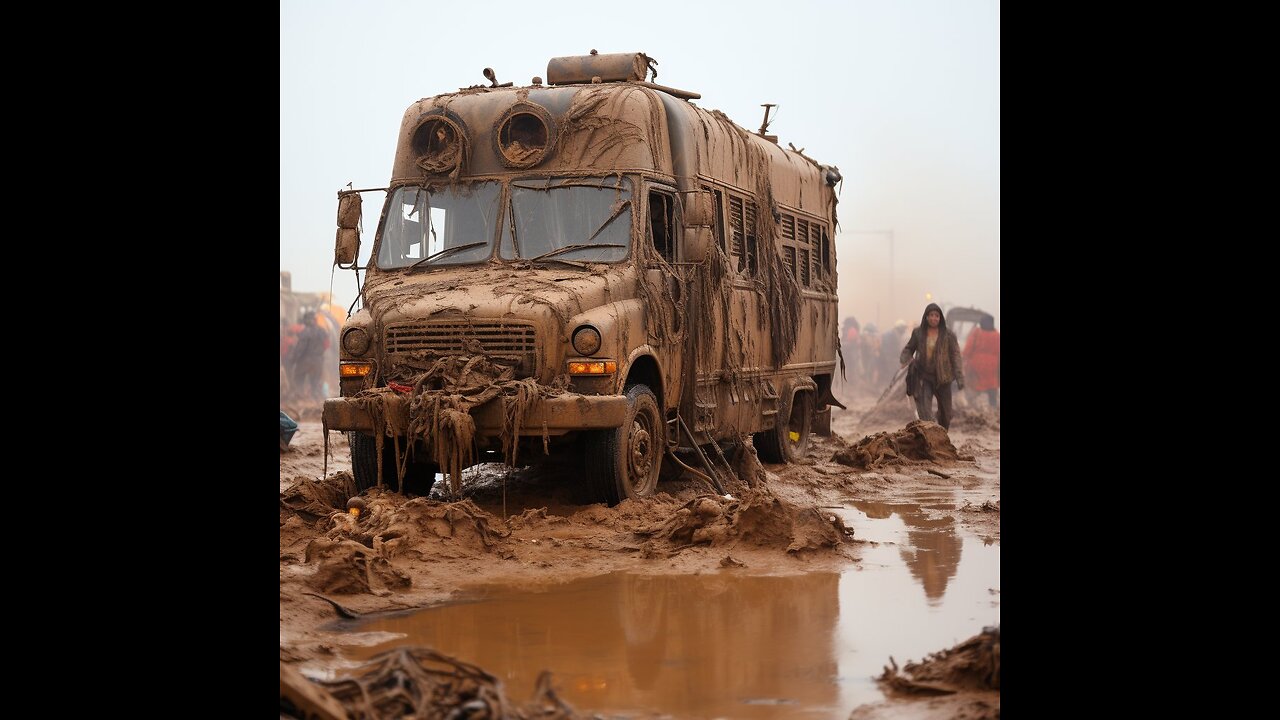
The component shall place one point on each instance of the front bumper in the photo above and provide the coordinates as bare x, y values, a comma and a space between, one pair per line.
558, 414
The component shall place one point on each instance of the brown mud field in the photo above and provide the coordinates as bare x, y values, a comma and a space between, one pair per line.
787, 528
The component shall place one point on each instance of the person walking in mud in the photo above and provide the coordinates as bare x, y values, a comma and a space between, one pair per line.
307, 356
937, 363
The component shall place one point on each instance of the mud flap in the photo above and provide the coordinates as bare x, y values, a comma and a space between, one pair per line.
822, 422
826, 400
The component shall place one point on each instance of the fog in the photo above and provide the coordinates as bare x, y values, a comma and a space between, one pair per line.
904, 97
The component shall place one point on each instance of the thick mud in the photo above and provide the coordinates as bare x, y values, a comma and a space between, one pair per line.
524, 528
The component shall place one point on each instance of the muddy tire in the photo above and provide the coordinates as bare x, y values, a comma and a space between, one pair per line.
776, 445
625, 462
418, 476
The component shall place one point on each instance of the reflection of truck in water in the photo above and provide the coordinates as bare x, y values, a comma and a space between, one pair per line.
593, 266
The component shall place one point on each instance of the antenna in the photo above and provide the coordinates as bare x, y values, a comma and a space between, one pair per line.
764, 126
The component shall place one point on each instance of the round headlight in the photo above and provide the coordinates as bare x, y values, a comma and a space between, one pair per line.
355, 341
586, 340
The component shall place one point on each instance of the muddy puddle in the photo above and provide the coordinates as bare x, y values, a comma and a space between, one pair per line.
728, 643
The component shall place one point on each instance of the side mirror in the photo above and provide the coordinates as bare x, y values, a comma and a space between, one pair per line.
699, 211
347, 247
699, 217
697, 244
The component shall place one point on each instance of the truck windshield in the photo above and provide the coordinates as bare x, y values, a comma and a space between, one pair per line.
590, 218
420, 223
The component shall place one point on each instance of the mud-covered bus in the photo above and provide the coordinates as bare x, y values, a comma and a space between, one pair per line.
592, 267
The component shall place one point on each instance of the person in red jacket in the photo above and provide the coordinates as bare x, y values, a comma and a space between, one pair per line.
982, 358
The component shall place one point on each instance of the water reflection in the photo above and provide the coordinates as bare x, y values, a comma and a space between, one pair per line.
720, 644
725, 643
931, 549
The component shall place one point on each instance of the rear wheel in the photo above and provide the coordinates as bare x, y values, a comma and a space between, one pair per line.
625, 462
418, 476
788, 440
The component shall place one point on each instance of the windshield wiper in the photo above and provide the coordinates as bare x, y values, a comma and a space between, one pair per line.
445, 252
575, 246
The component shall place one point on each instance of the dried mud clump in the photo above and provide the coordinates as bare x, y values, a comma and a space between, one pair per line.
759, 518
535, 518
919, 441
421, 528
972, 665
422, 683
312, 500
345, 567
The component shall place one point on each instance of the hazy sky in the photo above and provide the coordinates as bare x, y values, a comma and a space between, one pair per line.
902, 95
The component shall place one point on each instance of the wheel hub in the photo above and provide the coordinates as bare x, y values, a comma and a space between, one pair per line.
641, 451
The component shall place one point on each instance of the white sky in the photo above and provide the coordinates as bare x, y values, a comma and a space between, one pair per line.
902, 95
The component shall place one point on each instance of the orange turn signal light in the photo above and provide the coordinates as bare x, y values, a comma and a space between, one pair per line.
354, 369
594, 367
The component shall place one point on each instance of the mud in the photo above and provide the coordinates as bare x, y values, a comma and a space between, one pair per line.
919, 441
961, 683
524, 528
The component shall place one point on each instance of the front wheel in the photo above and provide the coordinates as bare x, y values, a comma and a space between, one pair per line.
624, 462
788, 440
418, 476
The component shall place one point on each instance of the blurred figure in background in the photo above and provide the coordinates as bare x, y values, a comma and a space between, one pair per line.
936, 354
982, 357
851, 351
306, 359
870, 351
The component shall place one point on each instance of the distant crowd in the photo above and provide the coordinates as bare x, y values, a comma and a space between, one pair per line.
308, 357
873, 359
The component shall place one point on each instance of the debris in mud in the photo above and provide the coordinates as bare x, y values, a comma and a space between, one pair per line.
972, 665
534, 517
920, 440
426, 529
315, 499
986, 506
759, 518
731, 561
421, 682
347, 568
747, 465
343, 610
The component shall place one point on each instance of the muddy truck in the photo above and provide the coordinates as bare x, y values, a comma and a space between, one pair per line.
593, 268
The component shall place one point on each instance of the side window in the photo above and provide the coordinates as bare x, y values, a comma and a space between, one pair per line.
736, 252
719, 226
825, 252
807, 253
806, 249
742, 229
787, 230
662, 223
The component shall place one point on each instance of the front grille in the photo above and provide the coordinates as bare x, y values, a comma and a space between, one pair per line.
500, 341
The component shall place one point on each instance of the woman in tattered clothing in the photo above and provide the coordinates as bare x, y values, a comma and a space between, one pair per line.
937, 363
